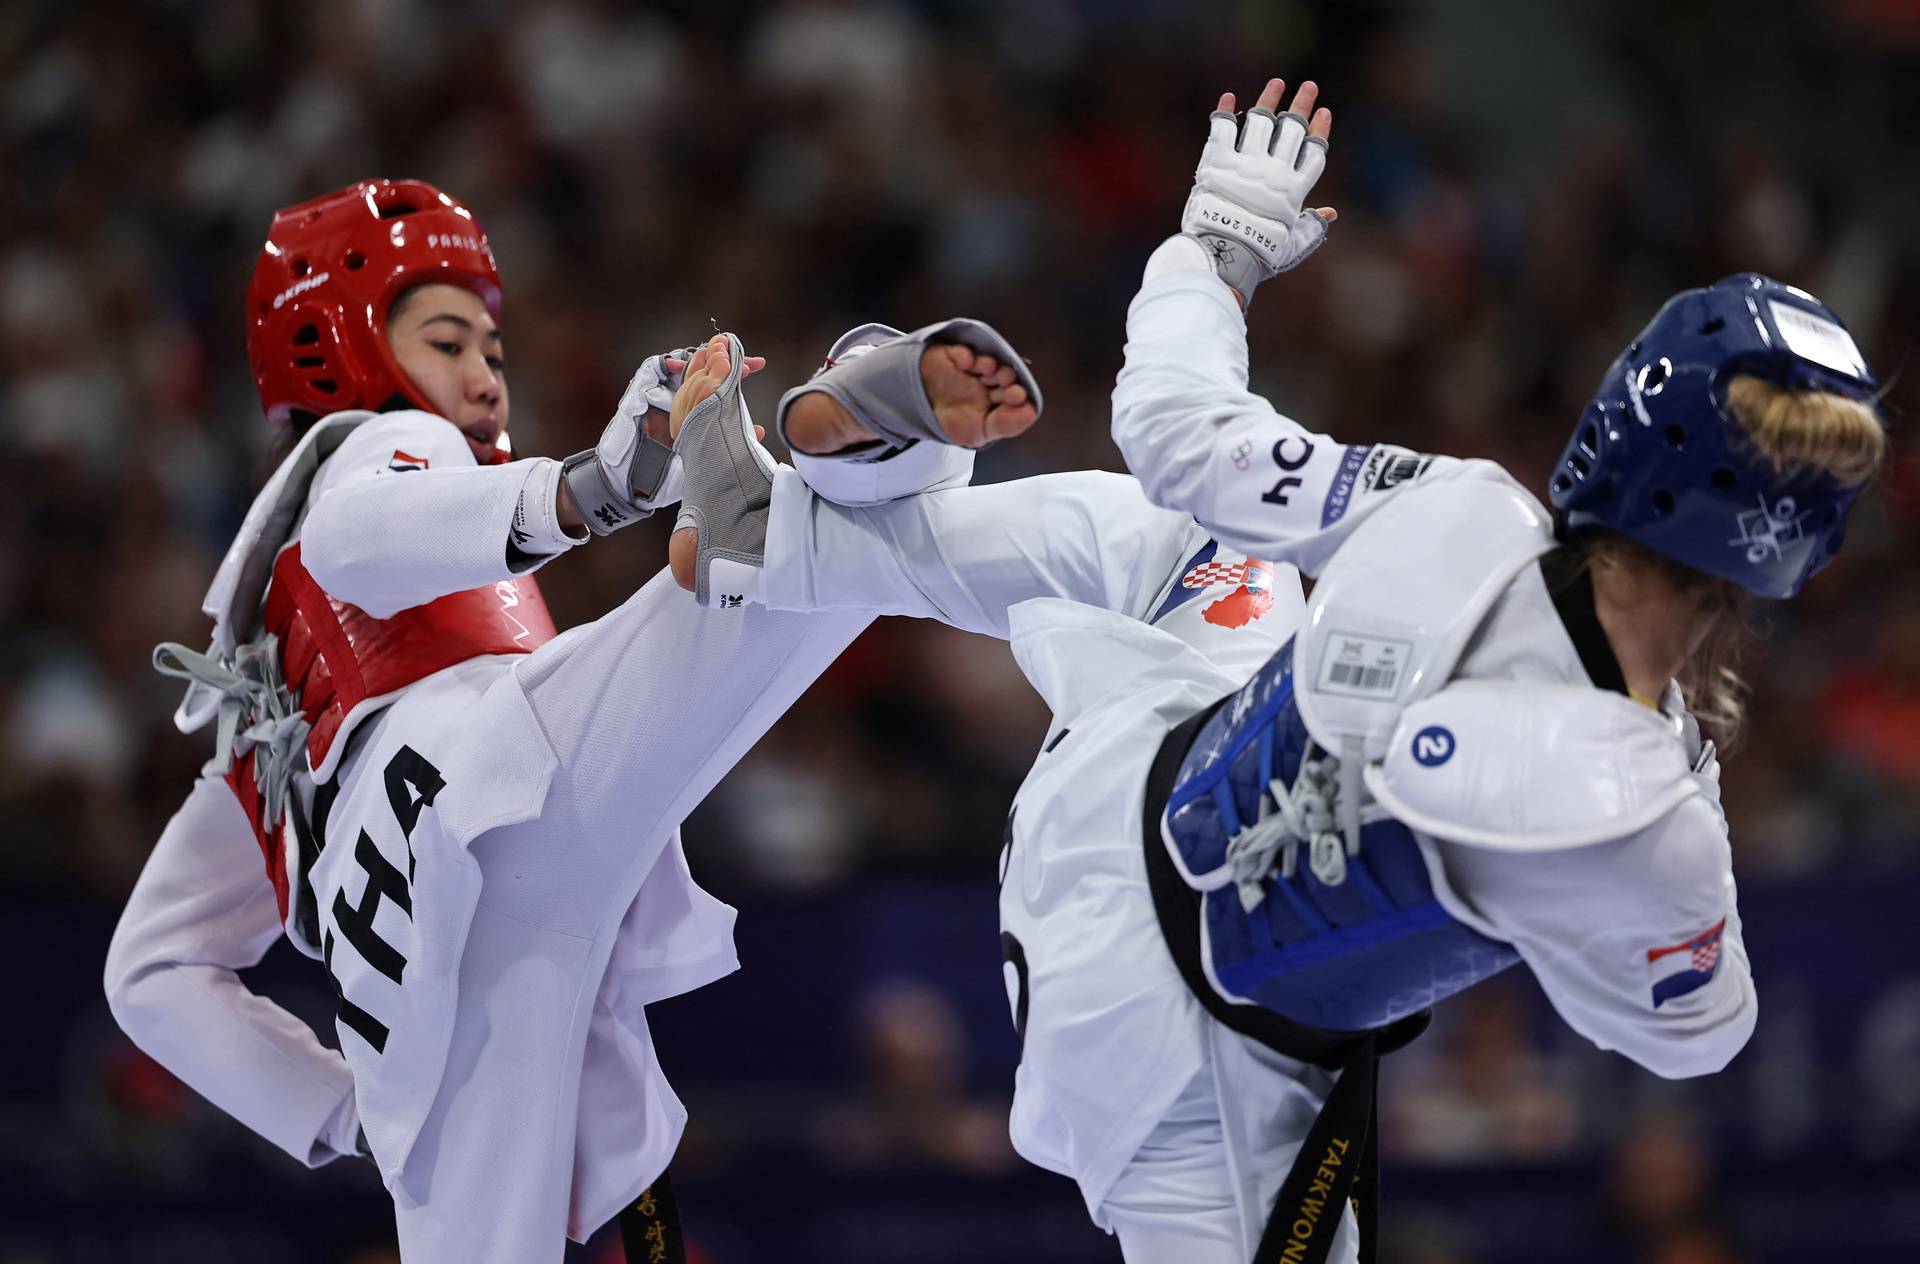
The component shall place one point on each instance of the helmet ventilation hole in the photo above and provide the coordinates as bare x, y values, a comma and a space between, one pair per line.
309, 362
301, 267
325, 385
306, 335
355, 261
397, 209
1662, 503
1561, 484
1676, 437
1714, 325
1579, 464
1721, 478
1590, 439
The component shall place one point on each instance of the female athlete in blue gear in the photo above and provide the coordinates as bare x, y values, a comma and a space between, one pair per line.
1262, 838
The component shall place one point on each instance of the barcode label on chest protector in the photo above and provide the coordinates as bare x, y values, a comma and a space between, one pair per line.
1363, 666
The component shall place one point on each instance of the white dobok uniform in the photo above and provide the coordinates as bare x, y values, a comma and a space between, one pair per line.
1129, 617
546, 899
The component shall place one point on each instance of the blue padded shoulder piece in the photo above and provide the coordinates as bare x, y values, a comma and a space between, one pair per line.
1363, 950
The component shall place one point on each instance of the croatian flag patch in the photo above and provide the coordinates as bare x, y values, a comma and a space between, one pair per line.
1251, 597
1685, 967
1251, 581
406, 462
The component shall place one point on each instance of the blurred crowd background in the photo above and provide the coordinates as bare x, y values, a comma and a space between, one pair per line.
1519, 186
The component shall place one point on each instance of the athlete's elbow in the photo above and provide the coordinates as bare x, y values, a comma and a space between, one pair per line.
1702, 1052
130, 966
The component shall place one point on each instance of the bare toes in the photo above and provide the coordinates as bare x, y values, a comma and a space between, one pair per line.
1007, 421
984, 365
961, 356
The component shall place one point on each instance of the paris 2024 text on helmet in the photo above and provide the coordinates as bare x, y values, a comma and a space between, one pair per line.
326, 280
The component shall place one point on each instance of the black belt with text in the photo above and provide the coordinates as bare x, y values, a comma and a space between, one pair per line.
650, 1226
1339, 1161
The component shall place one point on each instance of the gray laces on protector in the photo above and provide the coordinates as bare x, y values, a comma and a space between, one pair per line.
251, 693
1321, 808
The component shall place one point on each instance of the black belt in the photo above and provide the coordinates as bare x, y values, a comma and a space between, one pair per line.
650, 1226
1339, 1160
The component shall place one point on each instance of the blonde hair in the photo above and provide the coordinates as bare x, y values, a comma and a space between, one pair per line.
1796, 432
1710, 678
1809, 430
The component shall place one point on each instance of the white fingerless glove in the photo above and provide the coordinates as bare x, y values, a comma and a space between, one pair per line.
1248, 205
632, 470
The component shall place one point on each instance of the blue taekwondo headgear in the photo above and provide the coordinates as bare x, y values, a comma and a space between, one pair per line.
1657, 457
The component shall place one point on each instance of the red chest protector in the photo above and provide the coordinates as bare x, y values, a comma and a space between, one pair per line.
338, 659
340, 663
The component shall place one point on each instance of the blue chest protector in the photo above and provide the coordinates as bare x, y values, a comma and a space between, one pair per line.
1294, 917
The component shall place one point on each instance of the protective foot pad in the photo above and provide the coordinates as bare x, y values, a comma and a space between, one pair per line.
881, 385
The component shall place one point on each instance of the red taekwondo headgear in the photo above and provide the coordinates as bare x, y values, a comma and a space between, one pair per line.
326, 279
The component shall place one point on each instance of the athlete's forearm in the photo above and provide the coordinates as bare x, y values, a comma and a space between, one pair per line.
391, 542
1202, 443
202, 911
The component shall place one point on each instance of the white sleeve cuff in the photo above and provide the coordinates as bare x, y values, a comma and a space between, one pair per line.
924, 467
1178, 253
536, 516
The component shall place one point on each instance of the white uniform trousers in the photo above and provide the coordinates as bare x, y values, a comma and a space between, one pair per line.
564, 775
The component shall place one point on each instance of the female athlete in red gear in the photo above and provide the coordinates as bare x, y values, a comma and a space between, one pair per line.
472, 821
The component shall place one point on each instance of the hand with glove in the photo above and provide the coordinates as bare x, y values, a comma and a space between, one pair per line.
632, 470
1248, 205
